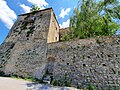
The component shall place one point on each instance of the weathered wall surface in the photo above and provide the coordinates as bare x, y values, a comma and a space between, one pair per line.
53, 33
95, 61
29, 35
28, 27
64, 32
5, 55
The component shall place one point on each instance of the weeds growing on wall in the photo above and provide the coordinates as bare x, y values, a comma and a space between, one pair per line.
63, 81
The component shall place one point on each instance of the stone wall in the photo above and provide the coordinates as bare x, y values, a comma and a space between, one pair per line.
29, 35
28, 27
5, 55
87, 61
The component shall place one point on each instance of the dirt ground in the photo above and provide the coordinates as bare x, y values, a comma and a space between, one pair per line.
19, 84
13, 84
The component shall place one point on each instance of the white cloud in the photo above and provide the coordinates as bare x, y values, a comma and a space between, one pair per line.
65, 24
40, 3
7, 15
64, 12
25, 8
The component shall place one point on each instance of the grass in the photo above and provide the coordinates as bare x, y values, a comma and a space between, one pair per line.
31, 79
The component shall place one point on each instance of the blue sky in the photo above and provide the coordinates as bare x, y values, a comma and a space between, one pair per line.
10, 9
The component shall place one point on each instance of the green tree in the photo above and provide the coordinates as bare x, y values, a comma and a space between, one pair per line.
34, 8
95, 18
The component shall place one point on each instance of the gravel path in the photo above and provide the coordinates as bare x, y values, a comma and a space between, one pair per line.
19, 84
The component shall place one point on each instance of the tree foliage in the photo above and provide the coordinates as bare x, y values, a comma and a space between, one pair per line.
34, 8
95, 18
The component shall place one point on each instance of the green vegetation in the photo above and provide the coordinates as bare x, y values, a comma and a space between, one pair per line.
30, 32
34, 8
94, 18
65, 38
91, 87
26, 78
62, 82
1, 72
22, 28
47, 72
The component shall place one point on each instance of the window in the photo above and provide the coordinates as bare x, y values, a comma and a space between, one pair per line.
55, 38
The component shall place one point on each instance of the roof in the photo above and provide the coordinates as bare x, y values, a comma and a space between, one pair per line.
36, 11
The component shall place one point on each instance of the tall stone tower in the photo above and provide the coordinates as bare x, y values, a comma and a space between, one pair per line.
23, 52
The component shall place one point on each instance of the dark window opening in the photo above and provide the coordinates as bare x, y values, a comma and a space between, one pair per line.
55, 38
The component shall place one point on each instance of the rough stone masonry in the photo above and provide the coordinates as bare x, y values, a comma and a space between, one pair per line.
23, 52
87, 61
32, 47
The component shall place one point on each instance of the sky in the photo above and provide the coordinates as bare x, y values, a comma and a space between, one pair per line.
10, 9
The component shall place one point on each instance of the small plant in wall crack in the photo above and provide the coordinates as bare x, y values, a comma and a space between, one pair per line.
30, 32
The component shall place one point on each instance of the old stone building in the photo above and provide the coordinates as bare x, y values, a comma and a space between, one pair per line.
32, 47
27, 43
